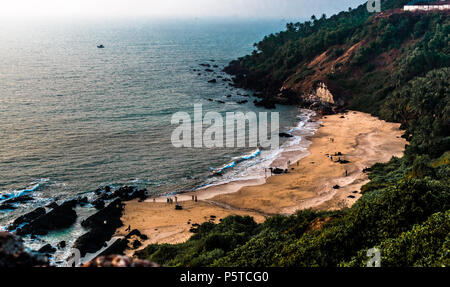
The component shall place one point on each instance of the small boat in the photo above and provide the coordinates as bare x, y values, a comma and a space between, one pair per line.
100, 46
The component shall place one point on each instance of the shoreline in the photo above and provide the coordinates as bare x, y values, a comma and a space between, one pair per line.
259, 175
357, 139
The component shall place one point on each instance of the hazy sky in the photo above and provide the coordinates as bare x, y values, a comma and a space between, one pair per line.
201, 8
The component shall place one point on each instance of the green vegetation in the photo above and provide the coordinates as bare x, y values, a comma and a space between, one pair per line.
405, 208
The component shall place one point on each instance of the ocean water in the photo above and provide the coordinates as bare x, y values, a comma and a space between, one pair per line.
74, 117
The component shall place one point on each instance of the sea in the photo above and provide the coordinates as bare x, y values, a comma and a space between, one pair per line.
75, 117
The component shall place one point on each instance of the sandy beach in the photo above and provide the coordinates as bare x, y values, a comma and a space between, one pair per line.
329, 178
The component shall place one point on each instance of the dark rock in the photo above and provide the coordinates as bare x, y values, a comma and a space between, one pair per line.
351, 196
60, 217
178, 207
98, 203
136, 244
336, 186
102, 226
242, 102
13, 254
118, 247
18, 199
109, 215
47, 249
265, 103
7, 206
285, 135
61, 245
137, 233
27, 218
127, 193
278, 171
52, 205
82, 201
92, 241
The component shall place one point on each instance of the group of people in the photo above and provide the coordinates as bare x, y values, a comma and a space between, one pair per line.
175, 199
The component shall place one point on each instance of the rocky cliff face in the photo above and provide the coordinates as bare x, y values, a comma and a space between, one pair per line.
321, 94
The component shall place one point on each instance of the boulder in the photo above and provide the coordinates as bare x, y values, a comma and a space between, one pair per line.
118, 247
98, 203
7, 206
285, 135
136, 244
47, 249
137, 233
102, 225
62, 245
265, 103
27, 218
59, 217
18, 199
278, 171
108, 216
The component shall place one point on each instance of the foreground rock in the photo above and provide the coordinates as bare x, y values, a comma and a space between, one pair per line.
102, 226
13, 254
119, 261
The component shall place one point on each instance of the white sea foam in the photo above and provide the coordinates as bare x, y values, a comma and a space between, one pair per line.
254, 166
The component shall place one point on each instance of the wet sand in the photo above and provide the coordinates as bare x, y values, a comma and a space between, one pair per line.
358, 140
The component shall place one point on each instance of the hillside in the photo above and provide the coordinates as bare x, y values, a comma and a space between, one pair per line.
394, 65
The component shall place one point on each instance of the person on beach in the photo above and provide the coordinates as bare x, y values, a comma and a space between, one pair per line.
196, 198
193, 198
176, 200
346, 173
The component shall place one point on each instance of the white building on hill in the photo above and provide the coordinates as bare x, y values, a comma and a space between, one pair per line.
427, 5
430, 5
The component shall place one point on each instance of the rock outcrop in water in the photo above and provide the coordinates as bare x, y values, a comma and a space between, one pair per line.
60, 217
102, 226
